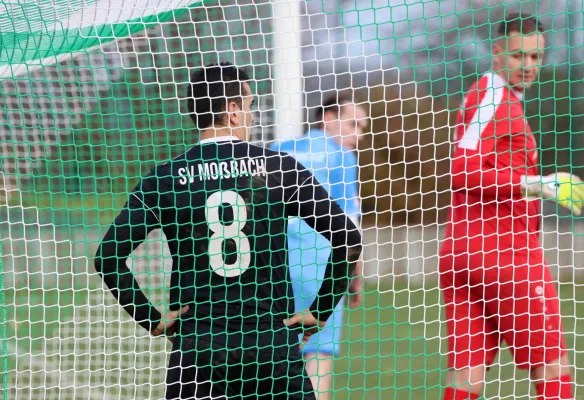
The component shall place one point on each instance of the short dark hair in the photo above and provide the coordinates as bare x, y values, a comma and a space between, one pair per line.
210, 89
333, 103
523, 24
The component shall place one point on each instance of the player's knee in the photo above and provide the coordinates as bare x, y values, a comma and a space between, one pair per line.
469, 379
553, 369
319, 369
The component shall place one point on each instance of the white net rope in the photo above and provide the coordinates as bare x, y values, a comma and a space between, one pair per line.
67, 337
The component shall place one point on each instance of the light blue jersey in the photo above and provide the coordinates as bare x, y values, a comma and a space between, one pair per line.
335, 168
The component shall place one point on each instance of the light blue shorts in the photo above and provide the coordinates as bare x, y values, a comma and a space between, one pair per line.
308, 255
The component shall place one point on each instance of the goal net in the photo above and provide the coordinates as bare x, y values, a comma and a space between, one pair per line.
92, 96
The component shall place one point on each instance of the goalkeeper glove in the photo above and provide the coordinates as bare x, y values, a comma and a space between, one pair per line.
565, 189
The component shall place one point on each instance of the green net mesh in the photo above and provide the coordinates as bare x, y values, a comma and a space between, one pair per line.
92, 97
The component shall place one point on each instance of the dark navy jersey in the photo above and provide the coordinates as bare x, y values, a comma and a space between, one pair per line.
223, 207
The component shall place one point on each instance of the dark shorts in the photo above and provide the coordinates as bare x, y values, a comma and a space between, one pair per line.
199, 369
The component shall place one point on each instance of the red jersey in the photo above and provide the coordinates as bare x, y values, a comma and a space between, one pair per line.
494, 148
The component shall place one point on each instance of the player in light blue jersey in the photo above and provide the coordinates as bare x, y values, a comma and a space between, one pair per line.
329, 152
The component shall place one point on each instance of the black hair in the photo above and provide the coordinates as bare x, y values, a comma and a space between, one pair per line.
210, 89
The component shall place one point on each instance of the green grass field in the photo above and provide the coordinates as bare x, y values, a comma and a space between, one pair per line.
392, 348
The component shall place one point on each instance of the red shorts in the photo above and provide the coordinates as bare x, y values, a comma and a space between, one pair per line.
494, 297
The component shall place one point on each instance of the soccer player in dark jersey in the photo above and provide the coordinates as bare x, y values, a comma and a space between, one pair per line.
223, 206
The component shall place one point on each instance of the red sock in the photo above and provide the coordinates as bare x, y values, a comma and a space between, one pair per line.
452, 393
556, 389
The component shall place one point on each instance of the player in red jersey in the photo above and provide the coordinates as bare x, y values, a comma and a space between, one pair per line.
494, 279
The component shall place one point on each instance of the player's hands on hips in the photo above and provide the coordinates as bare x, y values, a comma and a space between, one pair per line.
304, 322
565, 189
167, 325
355, 292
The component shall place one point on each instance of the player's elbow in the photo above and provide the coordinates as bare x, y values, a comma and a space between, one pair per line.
105, 257
354, 238
98, 260
353, 243
345, 231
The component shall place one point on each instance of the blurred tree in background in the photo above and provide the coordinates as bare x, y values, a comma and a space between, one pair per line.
405, 161
136, 86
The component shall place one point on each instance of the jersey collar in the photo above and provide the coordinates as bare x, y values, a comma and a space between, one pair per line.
331, 143
315, 133
220, 139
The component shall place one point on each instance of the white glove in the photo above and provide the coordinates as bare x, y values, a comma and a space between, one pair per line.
565, 189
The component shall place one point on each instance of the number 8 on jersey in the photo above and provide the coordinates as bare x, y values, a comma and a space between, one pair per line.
222, 232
